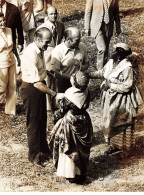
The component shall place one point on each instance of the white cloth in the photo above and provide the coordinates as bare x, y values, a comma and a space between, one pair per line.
66, 167
32, 64
76, 96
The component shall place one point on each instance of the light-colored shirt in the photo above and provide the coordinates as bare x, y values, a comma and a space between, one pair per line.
4, 9
65, 56
32, 64
7, 58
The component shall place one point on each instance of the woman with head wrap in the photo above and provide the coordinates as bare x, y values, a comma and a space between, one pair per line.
73, 132
120, 100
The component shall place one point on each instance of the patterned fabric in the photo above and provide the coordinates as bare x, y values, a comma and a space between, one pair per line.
71, 139
124, 140
106, 12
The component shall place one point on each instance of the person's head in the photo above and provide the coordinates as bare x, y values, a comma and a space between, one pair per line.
122, 50
42, 38
2, 21
2, 2
72, 37
79, 80
52, 14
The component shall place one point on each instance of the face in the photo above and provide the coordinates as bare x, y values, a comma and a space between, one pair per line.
44, 42
2, 23
120, 52
74, 42
52, 14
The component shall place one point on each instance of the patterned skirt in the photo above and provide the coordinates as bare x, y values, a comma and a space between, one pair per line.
124, 140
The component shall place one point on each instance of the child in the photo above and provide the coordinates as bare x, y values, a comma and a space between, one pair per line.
73, 132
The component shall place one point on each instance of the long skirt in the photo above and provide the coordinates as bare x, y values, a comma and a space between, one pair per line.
72, 139
125, 140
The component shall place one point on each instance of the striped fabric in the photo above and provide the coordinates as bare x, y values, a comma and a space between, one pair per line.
106, 13
124, 140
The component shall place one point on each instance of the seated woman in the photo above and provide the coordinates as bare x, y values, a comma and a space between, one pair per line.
73, 132
120, 100
7, 69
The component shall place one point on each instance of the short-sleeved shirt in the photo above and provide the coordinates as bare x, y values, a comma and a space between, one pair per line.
32, 64
65, 56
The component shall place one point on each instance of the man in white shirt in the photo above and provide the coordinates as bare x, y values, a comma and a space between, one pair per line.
33, 93
68, 57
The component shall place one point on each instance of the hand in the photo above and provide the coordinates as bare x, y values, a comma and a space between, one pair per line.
87, 32
118, 31
20, 48
105, 86
18, 61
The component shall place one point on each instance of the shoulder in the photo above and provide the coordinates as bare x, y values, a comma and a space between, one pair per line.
82, 46
8, 30
59, 23
58, 48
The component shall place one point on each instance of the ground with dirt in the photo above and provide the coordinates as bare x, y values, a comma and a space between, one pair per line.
105, 172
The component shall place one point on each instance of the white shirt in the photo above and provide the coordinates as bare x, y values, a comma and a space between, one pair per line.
32, 64
4, 9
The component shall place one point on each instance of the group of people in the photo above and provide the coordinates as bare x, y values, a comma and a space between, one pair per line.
54, 66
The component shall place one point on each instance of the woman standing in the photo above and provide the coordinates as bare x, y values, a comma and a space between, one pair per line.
73, 132
7, 68
120, 100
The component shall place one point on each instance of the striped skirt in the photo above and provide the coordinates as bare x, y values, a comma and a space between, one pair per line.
124, 140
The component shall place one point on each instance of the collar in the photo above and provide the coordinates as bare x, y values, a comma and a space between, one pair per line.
66, 49
36, 48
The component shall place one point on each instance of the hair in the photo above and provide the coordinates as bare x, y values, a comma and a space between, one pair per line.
70, 31
1, 14
40, 31
49, 7
81, 80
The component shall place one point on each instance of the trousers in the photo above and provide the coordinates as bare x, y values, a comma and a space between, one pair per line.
35, 106
102, 42
8, 88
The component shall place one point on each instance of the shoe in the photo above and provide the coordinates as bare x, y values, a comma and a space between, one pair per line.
112, 150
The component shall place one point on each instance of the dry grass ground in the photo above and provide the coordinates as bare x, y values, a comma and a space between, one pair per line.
105, 173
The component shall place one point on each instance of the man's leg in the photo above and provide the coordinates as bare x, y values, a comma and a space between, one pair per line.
10, 107
3, 83
101, 46
32, 101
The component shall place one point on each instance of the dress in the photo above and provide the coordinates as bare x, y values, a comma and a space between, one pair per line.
72, 137
119, 103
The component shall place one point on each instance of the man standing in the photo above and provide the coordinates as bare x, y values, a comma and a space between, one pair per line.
68, 57
13, 21
99, 23
33, 93
57, 30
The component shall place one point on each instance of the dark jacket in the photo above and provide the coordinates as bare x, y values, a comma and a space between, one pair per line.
13, 21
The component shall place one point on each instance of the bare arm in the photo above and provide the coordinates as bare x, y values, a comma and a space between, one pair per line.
43, 88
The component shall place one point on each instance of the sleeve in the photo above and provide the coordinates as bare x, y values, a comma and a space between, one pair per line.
127, 83
116, 16
88, 11
63, 108
19, 28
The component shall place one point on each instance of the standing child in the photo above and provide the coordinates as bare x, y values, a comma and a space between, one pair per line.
73, 132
